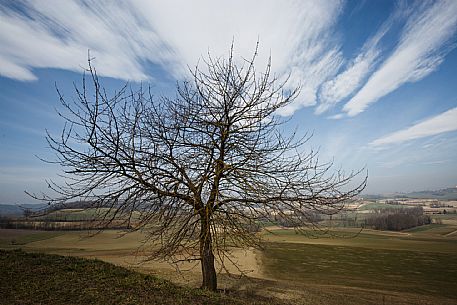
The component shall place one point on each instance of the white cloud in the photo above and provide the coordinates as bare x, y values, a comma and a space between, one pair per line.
346, 82
299, 35
333, 91
337, 116
441, 123
436, 162
58, 34
12, 70
421, 50
123, 36
309, 75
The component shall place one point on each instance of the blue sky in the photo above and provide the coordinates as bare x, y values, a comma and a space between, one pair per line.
378, 78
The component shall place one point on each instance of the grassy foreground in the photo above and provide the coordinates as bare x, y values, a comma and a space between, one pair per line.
34, 278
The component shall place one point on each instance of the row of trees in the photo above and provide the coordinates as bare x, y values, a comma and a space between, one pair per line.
398, 219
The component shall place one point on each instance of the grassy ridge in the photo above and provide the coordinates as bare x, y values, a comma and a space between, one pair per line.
32, 278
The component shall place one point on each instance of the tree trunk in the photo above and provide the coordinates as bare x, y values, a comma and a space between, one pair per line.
207, 258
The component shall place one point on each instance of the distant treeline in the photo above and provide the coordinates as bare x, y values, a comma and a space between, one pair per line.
397, 219
11, 223
80, 215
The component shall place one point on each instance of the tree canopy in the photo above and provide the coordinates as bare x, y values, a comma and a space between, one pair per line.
199, 171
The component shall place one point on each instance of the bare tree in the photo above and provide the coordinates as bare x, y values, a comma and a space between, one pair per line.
198, 171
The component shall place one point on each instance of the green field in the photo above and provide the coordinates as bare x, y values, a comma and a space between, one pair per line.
416, 266
70, 215
426, 273
16, 238
88, 214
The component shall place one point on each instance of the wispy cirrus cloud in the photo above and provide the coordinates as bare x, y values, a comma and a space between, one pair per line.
125, 36
335, 90
347, 81
422, 47
299, 36
57, 34
444, 122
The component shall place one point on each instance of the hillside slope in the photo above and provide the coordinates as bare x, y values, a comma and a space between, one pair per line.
32, 278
